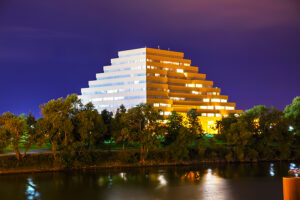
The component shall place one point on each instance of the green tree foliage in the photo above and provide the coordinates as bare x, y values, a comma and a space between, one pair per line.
69, 125
120, 127
88, 127
260, 132
193, 122
144, 127
174, 124
12, 131
107, 119
292, 113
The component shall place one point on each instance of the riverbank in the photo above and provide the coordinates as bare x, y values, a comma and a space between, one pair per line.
44, 162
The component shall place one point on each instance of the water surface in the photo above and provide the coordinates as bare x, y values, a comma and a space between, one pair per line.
207, 181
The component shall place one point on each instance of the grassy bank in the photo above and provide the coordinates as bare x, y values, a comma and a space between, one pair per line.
44, 162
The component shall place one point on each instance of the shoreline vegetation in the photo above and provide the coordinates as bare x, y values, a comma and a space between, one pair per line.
50, 166
78, 137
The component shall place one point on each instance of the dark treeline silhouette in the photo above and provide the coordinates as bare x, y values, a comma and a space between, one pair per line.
76, 132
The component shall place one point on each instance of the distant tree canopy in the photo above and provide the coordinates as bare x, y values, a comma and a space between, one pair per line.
75, 130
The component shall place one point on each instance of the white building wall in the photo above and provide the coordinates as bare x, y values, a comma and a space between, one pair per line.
123, 82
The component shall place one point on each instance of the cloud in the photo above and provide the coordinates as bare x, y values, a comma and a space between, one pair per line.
36, 33
248, 14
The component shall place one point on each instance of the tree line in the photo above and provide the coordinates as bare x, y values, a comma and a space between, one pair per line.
74, 130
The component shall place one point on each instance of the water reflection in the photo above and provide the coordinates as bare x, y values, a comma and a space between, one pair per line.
31, 190
214, 187
210, 181
272, 173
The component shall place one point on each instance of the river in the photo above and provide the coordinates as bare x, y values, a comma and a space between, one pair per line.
207, 181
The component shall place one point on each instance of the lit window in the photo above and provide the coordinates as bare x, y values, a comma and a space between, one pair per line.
97, 99
203, 107
195, 92
223, 100
167, 113
204, 114
107, 98
165, 105
206, 100
156, 105
156, 74
220, 107
215, 100
190, 85
210, 107
210, 115
179, 70
118, 98
199, 85
218, 115
229, 108
112, 91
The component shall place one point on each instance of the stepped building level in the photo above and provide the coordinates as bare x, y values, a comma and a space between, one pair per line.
163, 78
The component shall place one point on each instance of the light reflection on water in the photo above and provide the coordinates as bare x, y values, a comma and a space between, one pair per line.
31, 190
272, 173
227, 181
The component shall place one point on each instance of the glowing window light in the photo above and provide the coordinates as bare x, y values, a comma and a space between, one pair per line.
215, 100
205, 100
218, 115
223, 100
203, 114
210, 114
164, 105
219, 107
179, 70
156, 105
190, 85
203, 107
112, 91
107, 98
167, 113
97, 99
195, 92
229, 108
118, 98
199, 85
210, 107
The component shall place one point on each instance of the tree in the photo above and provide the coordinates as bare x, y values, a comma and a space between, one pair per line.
57, 124
107, 119
174, 123
33, 136
193, 122
12, 129
88, 127
120, 128
292, 112
144, 127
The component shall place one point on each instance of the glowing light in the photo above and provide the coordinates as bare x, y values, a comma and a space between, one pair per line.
31, 190
272, 173
123, 176
162, 180
214, 187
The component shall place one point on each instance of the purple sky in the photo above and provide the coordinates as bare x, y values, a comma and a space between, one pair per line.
48, 49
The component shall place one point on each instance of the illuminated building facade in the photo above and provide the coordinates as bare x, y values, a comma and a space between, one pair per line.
163, 78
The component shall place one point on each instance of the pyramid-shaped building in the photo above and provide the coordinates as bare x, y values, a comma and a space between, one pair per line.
160, 77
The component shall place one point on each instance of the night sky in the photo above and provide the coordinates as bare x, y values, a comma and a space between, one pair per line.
48, 49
